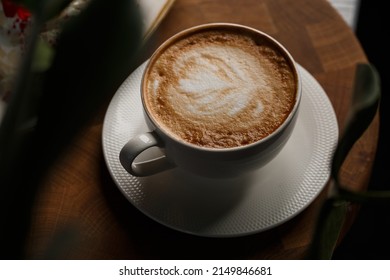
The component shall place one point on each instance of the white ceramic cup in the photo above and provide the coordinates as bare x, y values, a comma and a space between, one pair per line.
204, 161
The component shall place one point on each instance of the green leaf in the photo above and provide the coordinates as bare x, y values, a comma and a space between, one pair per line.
43, 56
93, 58
365, 101
327, 231
366, 96
368, 197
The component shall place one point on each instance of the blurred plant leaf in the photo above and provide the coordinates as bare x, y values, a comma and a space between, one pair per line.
93, 57
43, 56
57, 92
365, 101
366, 98
329, 224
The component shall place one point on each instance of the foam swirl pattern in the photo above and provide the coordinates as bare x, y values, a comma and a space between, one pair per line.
220, 89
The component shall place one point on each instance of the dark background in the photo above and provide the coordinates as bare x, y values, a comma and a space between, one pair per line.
369, 237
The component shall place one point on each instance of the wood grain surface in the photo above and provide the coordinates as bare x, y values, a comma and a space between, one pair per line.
81, 213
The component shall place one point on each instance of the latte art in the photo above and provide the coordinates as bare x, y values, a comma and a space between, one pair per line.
214, 86
220, 89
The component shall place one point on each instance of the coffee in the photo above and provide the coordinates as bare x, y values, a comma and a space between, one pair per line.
220, 88
220, 100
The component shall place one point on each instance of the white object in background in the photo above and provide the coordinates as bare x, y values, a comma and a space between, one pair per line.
153, 11
11, 49
348, 9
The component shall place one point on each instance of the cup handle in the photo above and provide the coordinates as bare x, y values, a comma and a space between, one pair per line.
134, 147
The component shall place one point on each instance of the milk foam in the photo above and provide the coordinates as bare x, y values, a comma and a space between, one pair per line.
220, 90
217, 81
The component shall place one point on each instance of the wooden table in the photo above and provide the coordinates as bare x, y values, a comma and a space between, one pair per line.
80, 207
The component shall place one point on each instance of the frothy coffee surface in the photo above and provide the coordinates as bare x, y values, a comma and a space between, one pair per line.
220, 89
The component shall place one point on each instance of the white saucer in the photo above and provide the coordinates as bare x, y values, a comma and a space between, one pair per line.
227, 207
